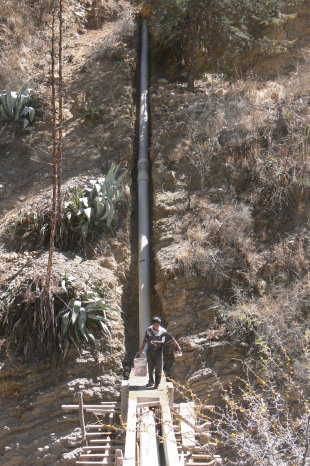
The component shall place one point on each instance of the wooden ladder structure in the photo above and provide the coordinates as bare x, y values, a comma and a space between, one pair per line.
157, 431
194, 443
104, 437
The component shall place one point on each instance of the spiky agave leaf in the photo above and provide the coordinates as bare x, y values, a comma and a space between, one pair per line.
105, 329
75, 305
96, 203
88, 294
84, 229
65, 319
91, 337
82, 322
14, 108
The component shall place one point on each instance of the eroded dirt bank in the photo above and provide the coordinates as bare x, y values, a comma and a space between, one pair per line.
231, 231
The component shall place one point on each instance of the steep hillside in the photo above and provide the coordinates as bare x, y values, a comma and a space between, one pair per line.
230, 214
99, 72
230, 210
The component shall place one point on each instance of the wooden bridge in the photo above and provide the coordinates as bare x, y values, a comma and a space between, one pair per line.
144, 428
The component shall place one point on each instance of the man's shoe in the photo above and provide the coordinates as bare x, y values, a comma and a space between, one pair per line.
155, 386
149, 384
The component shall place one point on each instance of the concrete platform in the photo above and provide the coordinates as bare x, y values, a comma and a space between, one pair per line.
138, 391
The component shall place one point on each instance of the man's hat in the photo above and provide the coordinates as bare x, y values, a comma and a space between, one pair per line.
156, 320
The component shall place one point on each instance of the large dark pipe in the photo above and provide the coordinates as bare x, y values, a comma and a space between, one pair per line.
143, 192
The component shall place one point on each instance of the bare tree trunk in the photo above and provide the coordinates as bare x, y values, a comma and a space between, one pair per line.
192, 67
53, 216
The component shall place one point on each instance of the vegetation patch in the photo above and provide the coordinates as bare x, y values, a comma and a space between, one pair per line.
14, 108
95, 205
36, 324
89, 213
81, 317
260, 418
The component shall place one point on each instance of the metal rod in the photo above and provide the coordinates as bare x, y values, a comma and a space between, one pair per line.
143, 192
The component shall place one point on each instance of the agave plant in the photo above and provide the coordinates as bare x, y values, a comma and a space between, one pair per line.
13, 106
95, 204
80, 316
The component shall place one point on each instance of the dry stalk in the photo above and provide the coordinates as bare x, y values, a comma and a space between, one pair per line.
53, 216
60, 117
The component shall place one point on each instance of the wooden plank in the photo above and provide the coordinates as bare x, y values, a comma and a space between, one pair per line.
148, 441
77, 407
118, 458
209, 463
107, 450
124, 399
130, 445
97, 426
170, 444
148, 404
103, 440
101, 447
102, 409
94, 462
170, 388
81, 416
187, 411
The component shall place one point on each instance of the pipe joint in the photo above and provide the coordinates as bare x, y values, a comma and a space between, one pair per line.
143, 173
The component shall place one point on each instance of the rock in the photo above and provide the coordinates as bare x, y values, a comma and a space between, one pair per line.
234, 137
162, 81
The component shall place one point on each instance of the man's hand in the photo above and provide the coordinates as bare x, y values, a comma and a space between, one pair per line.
179, 349
141, 350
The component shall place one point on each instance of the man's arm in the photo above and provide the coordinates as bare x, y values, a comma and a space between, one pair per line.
178, 346
142, 347
170, 339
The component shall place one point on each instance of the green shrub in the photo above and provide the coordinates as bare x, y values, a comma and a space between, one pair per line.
91, 112
96, 204
13, 106
80, 316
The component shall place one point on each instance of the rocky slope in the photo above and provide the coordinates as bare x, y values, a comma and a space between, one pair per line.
230, 221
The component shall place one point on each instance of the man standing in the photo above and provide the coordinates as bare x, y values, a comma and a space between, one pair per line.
156, 337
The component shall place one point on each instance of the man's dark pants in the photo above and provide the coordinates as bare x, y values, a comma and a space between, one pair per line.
154, 361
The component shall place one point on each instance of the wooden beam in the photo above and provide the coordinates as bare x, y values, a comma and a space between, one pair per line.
96, 448
94, 462
187, 411
148, 440
77, 407
170, 444
107, 450
118, 458
98, 426
81, 416
101, 410
103, 440
170, 388
148, 404
130, 445
124, 399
